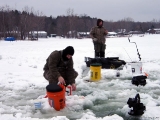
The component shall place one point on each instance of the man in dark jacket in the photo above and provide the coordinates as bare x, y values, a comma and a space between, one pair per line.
59, 67
98, 35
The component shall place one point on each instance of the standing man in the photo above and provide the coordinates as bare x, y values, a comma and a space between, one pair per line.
59, 67
98, 35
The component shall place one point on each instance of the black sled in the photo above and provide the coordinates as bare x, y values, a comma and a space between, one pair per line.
106, 63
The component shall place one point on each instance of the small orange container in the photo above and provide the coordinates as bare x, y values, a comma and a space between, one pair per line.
57, 99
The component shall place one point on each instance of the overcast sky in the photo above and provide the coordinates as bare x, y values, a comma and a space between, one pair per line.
138, 10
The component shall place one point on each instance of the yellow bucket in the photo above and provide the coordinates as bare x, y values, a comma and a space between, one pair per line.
95, 72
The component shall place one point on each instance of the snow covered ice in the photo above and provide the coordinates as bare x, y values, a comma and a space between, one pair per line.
22, 83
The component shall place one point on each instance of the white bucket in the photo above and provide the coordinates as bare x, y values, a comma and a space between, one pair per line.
136, 67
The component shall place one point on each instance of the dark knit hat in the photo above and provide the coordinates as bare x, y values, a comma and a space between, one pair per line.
68, 50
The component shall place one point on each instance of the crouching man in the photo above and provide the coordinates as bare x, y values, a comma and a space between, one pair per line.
59, 67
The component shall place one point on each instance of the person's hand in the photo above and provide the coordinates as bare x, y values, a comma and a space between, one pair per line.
61, 80
73, 86
94, 39
106, 32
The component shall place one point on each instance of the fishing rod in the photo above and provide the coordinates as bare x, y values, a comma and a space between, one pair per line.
139, 56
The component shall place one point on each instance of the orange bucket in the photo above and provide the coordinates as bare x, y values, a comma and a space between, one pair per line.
56, 96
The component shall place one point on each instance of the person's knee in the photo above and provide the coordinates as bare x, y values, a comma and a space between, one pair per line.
103, 47
97, 47
75, 74
53, 82
45, 75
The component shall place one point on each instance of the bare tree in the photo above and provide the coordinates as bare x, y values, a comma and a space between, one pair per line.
62, 26
72, 19
4, 20
39, 22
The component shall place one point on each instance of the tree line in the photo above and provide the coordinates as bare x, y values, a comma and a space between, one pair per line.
21, 24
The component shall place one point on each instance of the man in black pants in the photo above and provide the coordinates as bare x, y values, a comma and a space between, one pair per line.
98, 35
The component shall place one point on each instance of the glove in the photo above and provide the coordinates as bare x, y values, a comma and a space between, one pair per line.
94, 39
